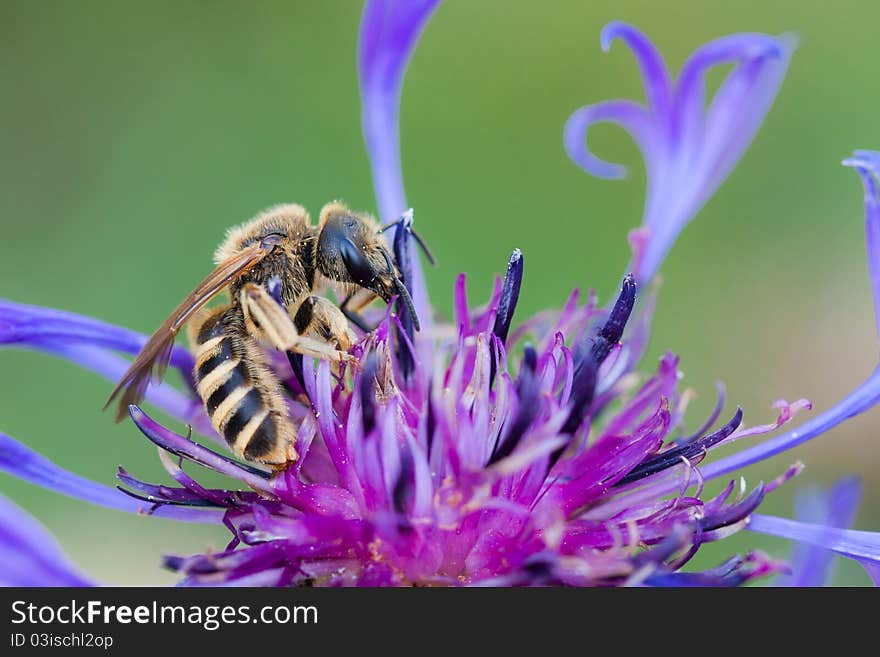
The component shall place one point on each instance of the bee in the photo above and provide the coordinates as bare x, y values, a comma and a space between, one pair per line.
241, 394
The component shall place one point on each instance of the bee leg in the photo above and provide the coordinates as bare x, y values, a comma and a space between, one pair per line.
353, 314
264, 316
321, 318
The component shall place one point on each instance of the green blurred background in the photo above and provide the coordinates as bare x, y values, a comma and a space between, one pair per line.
134, 133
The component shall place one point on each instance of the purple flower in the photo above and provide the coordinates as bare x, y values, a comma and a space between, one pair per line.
492, 452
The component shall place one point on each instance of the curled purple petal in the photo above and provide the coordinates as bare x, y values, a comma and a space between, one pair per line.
655, 75
630, 116
30, 554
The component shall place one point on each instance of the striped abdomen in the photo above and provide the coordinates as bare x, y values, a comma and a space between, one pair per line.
242, 396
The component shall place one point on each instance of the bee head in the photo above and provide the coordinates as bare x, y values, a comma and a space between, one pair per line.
352, 250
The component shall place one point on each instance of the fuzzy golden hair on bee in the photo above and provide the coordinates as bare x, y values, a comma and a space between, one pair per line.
290, 219
337, 222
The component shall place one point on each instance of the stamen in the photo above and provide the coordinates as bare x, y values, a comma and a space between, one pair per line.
366, 381
530, 358
583, 388
735, 512
402, 493
672, 456
160, 494
506, 305
612, 330
528, 390
405, 311
509, 295
590, 354
431, 422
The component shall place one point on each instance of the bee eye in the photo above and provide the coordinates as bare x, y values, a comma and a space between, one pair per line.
359, 268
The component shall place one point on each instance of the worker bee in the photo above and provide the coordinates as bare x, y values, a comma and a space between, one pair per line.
241, 394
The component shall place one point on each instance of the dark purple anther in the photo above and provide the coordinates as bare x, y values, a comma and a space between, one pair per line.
611, 332
590, 355
528, 391
507, 304
509, 295
365, 389
730, 515
530, 358
403, 259
403, 491
674, 456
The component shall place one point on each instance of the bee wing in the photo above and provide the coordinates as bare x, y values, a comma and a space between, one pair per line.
152, 361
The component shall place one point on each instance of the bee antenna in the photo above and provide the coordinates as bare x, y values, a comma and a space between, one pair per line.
408, 302
407, 218
402, 291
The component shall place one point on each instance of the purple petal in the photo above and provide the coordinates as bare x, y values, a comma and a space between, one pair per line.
24, 463
729, 130
30, 554
836, 508
867, 163
862, 546
733, 572
690, 92
86, 342
389, 32
630, 116
36, 326
183, 446
655, 76
861, 399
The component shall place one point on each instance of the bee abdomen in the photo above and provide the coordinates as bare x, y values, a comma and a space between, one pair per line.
240, 407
